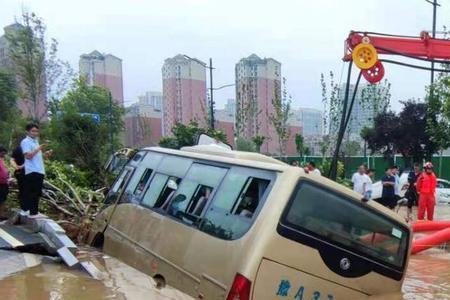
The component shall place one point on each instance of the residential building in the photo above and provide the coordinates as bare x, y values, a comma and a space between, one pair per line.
230, 107
184, 92
369, 100
314, 144
311, 121
258, 82
104, 70
154, 99
143, 125
225, 122
295, 127
27, 107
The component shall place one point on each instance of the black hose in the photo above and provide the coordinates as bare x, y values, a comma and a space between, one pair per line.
412, 56
414, 66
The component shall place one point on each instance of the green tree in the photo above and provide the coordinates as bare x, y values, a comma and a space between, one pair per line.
243, 144
300, 145
404, 133
8, 111
438, 117
74, 135
351, 148
258, 141
187, 135
279, 118
33, 60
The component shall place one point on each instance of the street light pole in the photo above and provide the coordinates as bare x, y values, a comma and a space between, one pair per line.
435, 5
211, 91
111, 134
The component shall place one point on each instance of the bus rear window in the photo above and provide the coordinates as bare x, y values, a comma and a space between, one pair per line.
339, 220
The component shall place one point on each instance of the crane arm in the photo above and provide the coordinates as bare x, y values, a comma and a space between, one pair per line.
363, 49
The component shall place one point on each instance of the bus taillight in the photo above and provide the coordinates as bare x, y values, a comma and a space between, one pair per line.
240, 290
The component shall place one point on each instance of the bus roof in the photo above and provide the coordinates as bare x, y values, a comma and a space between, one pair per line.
244, 158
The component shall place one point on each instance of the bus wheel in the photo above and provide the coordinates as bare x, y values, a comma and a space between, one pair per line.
160, 281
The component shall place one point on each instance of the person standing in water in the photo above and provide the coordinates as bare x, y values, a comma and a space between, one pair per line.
426, 187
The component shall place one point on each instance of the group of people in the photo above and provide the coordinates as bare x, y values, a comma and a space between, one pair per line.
28, 163
362, 181
420, 188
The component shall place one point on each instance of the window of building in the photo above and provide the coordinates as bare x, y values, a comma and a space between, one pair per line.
236, 204
195, 191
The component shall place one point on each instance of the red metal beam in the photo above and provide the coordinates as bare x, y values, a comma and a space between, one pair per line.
423, 46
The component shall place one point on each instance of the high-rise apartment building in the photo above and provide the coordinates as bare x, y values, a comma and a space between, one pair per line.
258, 82
27, 107
230, 107
154, 99
103, 70
184, 92
369, 101
311, 121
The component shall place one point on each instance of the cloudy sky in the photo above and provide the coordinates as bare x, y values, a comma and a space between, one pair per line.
307, 37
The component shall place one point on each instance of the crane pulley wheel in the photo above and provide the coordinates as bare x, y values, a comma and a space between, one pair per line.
364, 56
374, 74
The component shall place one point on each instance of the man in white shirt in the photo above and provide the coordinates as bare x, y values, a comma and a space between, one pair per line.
397, 187
361, 181
311, 169
34, 168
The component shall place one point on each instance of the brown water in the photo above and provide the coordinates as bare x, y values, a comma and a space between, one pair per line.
428, 277
54, 281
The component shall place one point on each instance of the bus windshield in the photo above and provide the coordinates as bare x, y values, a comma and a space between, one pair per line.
339, 220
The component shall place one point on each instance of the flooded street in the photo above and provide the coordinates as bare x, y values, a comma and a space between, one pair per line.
54, 281
428, 277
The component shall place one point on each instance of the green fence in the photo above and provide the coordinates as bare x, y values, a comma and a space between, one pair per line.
378, 163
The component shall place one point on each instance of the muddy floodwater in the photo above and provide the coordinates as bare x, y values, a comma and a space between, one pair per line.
428, 277
54, 281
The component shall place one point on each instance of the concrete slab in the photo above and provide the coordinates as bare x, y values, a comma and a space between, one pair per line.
62, 241
13, 262
14, 237
69, 259
92, 270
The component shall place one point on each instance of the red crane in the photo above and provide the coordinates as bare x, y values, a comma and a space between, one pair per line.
363, 48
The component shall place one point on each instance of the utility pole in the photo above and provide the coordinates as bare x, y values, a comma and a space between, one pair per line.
435, 5
111, 136
211, 91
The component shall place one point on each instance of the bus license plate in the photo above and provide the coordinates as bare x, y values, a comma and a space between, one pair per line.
287, 291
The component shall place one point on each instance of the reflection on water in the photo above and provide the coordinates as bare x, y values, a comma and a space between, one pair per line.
428, 275
54, 281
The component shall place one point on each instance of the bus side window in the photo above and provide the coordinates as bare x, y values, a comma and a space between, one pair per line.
118, 186
195, 191
141, 177
136, 185
235, 205
160, 191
